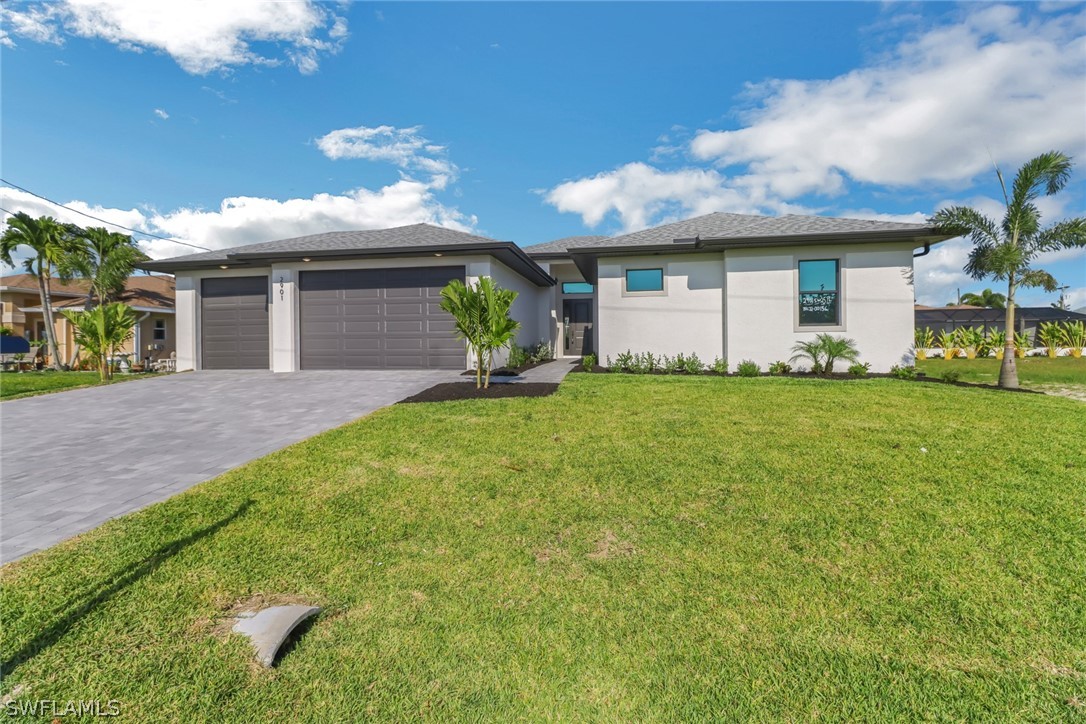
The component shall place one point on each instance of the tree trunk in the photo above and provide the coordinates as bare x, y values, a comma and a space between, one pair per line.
489, 364
47, 312
1008, 370
478, 368
75, 347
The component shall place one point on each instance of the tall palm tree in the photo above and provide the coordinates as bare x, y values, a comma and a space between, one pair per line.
1005, 251
105, 259
987, 298
51, 244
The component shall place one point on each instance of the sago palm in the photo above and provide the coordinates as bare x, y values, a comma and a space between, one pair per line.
1005, 251
51, 249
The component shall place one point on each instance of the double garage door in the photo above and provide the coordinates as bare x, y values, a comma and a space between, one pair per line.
349, 319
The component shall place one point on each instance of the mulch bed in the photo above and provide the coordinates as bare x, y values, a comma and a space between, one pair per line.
838, 377
448, 391
507, 371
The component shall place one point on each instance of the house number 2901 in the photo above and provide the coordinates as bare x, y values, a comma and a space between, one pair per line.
282, 289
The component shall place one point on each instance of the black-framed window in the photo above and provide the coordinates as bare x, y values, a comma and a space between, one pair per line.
577, 288
820, 292
645, 280
159, 334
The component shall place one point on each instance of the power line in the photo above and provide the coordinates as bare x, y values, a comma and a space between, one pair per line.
89, 216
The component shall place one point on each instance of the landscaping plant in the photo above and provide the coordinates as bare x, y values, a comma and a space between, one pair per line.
1005, 251
779, 368
1051, 336
102, 331
481, 315
1074, 336
1022, 345
997, 341
518, 357
588, 362
748, 368
693, 365
950, 376
824, 351
720, 366
971, 339
923, 340
903, 372
948, 342
859, 369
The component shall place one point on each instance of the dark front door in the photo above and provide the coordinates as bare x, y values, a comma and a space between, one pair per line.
378, 319
577, 319
234, 323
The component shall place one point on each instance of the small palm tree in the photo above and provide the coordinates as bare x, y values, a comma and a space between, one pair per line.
824, 351
102, 331
481, 315
1006, 251
105, 259
987, 298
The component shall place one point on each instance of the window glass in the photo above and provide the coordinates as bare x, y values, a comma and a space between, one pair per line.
576, 288
644, 280
819, 300
160, 330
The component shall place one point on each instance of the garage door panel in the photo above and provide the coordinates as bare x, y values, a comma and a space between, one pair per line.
380, 319
234, 323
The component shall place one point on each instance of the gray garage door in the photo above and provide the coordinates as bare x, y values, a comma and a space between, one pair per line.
234, 323
378, 319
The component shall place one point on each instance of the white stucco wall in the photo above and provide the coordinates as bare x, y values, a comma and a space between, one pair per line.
761, 316
529, 309
687, 318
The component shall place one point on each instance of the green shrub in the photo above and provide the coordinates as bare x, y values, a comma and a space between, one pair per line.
540, 352
951, 376
518, 357
859, 369
623, 362
692, 365
1051, 336
780, 368
824, 350
720, 366
903, 372
588, 362
748, 368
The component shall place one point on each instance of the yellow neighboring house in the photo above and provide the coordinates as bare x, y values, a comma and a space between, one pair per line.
152, 298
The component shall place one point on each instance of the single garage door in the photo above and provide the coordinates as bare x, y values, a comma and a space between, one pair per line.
378, 319
234, 323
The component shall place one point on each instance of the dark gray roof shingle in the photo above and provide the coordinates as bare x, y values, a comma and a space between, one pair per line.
738, 226
400, 237
559, 246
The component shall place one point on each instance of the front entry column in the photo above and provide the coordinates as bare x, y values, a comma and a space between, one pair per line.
283, 306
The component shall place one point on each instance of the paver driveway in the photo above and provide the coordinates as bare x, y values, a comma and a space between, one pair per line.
72, 460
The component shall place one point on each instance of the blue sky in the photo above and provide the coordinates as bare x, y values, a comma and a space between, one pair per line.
530, 122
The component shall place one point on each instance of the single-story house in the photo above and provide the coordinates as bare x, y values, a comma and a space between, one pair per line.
720, 285
151, 297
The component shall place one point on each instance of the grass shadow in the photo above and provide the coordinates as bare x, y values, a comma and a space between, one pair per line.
83, 604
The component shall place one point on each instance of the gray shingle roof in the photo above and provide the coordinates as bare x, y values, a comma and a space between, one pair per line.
559, 246
740, 226
400, 237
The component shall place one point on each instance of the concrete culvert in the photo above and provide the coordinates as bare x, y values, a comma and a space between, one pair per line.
268, 629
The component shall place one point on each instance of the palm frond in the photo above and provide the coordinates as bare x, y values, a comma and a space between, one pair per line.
1038, 278
1047, 173
1067, 234
964, 221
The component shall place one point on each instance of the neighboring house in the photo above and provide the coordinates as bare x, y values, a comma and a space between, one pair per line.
1026, 319
152, 298
720, 285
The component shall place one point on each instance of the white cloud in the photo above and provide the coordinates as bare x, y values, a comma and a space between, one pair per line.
403, 147
928, 113
200, 37
161, 114
641, 195
1076, 298
246, 220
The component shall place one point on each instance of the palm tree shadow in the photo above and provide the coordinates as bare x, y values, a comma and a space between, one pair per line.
84, 603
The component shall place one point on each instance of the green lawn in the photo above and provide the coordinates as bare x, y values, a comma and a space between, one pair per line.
632, 548
1031, 370
28, 384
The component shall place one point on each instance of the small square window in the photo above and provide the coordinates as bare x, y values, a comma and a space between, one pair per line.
644, 280
577, 288
159, 334
819, 292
